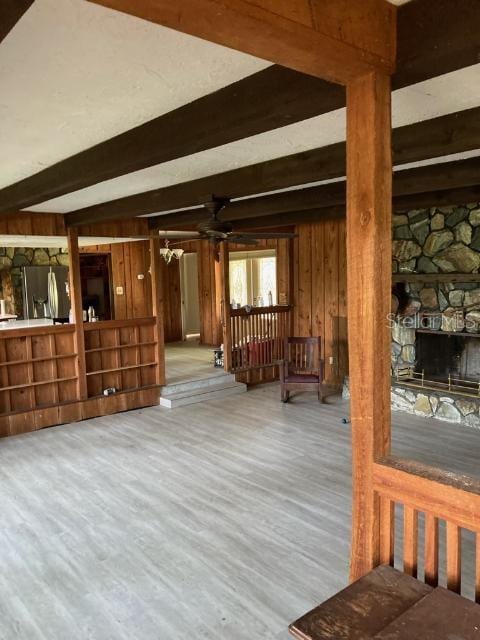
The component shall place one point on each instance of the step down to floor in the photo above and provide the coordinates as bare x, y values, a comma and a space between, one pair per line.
192, 391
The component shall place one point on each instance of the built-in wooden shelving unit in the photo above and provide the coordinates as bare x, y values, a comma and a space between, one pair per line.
37, 367
39, 372
119, 354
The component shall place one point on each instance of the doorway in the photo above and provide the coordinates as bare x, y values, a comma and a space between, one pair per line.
189, 295
188, 360
95, 275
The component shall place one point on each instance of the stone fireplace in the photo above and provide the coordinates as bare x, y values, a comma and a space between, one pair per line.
436, 319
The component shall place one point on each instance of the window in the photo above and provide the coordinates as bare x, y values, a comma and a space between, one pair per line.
253, 275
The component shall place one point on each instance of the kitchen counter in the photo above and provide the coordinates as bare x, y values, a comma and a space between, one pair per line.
26, 324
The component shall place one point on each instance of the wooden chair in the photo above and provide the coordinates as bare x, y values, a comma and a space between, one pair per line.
302, 367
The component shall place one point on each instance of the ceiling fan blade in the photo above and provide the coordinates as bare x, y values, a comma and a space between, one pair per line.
238, 239
180, 235
266, 235
175, 243
214, 234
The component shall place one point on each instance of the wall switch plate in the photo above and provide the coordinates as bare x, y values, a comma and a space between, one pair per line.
119, 291
330, 360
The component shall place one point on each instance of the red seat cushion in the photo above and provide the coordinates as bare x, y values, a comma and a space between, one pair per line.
301, 377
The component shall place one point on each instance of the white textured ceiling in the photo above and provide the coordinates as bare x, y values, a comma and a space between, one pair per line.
446, 94
73, 73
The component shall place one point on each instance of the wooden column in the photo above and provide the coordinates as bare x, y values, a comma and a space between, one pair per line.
369, 204
225, 305
75, 289
157, 309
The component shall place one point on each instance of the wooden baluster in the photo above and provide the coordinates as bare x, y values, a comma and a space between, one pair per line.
477, 568
266, 322
431, 550
262, 338
247, 340
233, 335
244, 339
274, 338
454, 557
410, 541
387, 531
238, 340
259, 339
253, 324
251, 340
260, 345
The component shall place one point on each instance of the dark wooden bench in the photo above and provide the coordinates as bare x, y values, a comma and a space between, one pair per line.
389, 605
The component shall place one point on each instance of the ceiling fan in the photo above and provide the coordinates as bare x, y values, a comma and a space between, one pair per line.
216, 231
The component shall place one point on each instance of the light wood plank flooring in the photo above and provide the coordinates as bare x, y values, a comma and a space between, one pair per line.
189, 360
214, 521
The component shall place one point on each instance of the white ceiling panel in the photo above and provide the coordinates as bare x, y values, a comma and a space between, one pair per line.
73, 73
446, 94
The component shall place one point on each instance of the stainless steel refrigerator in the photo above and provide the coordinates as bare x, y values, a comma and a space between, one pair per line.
45, 292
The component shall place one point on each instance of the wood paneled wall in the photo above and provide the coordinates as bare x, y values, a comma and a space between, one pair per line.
210, 294
313, 275
129, 260
52, 224
311, 271
319, 292
172, 300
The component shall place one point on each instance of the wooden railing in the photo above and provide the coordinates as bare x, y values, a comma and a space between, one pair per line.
120, 354
257, 336
439, 496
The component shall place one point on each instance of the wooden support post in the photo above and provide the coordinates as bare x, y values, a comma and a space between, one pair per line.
75, 290
369, 205
225, 305
157, 309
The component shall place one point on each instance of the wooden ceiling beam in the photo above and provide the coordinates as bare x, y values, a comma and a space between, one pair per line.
442, 198
441, 36
269, 99
10, 13
335, 41
440, 136
409, 182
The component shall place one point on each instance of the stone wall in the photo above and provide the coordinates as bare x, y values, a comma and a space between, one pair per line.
431, 404
437, 240
12, 259
444, 239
